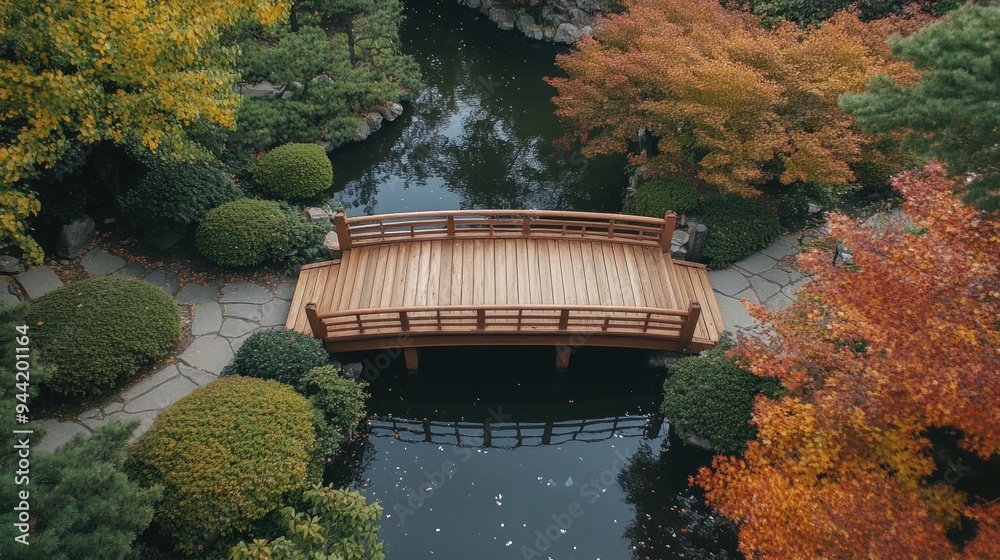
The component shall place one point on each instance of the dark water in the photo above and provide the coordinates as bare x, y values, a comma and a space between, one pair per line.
489, 453
480, 135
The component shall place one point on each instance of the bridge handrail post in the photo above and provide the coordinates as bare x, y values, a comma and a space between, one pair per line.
526, 225
451, 225
667, 232
404, 321
315, 323
687, 329
343, 230
564, 319
481, 319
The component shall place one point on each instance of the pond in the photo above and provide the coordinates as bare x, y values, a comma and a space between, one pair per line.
489, 453
480, 135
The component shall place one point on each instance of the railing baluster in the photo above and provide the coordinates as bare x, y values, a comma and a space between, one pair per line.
645, 326
526, 225
481, 319
564, 319
451, 225
611, 229
404, 321
361, 325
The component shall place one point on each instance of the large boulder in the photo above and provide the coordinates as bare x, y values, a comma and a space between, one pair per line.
566, 33
524, 23
75, 237
391, 111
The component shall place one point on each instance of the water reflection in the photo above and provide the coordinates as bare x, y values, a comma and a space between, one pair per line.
480, 136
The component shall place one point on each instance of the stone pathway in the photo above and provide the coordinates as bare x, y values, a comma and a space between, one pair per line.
224, 316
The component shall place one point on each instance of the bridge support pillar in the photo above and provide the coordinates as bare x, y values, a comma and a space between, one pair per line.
562, 357
410, 355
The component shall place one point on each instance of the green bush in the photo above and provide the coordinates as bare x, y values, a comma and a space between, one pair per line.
82, 503
344, 526
658, 196
170, 198
244, 232
293, 171
341, 400
98, 332
712, 397
736, 228
226, 455
282, 355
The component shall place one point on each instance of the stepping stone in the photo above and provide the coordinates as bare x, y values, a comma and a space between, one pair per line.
131, 270
165, 280
244, 293
12, 265
285, 291
207, 318
38, 281
793, 288
275, 313
162, 396
201, 378
57, 434
196, 293
233, 328
776, 275
734, 315
6, 296
145, 421
210, 353
100, 263
147, 384
748, 294
778, 302
757, 263
763, 288
784, 246
728, 282
247, 311
113, 407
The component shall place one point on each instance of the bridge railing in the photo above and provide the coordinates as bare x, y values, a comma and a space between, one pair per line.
506, 319
471, 224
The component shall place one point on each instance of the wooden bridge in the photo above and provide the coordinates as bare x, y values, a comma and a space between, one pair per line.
505, 277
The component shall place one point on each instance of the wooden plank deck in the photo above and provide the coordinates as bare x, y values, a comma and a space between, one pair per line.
491, 277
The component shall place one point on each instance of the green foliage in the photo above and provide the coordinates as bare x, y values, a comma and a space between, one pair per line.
98, 332
244, 232
332, 77
16, 209
813, 12
227, 455
953, 113
736, 228
657, 196
710, 396
307, 239
282, 355
341, 400
335, 525
170, 198
82, 504
293, 171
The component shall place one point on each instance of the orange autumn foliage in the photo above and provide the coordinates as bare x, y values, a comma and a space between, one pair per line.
874, 353
734, 103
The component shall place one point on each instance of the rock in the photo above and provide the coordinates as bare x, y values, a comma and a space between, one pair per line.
261, 89
474, 4
247, 311
757, 263
196, 293
678, 252
372, 122
313, 214
100, 263
132, 270
75, 237
9, 265
206, 319
391, 111
244, 293
588, 5
234, 328
485, 5
680, 237
548, 33
554, 20
38, 281
332, 245
165, 280
210, 353
813, 208
524, 22
587, 30
579, 17
728, 282
535, 33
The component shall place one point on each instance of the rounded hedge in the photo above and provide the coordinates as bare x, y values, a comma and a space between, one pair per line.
711, 397
283, 355
96, 333
226, 455
341, 400
736, 228
658, 196
293, 171
170, 198
244, 232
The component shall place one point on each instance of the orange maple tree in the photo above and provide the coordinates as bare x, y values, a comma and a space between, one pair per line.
903, 338
729, 101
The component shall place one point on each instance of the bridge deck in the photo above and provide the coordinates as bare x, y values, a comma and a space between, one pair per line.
489, 278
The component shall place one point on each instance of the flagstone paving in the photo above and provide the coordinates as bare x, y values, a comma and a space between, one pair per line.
224, 316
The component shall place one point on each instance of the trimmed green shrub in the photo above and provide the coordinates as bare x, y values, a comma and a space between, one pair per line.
82, 503
658, 196
711, 397
341, 400
344, 524
283, 355
244, 232
98, 332
227, 455
170, 198
293, 171
736, 228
